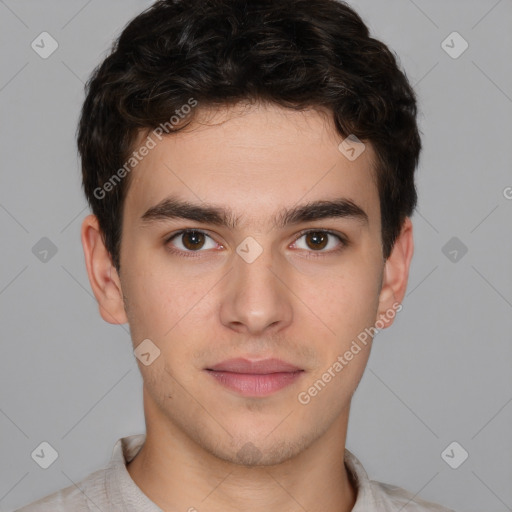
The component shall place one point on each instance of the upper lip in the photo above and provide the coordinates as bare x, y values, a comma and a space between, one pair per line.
264, 366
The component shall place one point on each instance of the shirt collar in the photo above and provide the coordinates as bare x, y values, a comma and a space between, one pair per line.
120, 485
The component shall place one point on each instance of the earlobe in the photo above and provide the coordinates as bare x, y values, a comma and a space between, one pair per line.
103, 277
396, 275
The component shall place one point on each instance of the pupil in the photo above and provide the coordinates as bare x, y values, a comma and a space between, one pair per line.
319, 240
196, 238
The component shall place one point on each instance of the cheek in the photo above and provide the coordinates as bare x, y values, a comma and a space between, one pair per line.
146, 307
360, 300
341, 301
154, 290
347, 307
171, 309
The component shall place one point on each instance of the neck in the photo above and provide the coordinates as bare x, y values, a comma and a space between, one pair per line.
177, 473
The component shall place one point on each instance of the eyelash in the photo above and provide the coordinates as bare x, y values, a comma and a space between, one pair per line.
311, 254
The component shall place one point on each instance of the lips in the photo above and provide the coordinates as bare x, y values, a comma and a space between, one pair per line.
263, 367
255, 378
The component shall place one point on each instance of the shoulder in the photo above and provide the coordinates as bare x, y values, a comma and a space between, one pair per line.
104, 489
392, 498
375, 496
84, 496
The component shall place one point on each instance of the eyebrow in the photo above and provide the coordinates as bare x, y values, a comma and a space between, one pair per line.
174, 208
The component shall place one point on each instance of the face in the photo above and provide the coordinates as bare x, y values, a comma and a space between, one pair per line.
257, 284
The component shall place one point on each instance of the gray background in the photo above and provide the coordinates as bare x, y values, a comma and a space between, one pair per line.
442, 373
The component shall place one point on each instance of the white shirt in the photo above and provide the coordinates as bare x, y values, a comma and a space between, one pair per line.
112, 489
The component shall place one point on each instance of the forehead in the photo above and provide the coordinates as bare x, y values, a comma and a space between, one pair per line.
254, 161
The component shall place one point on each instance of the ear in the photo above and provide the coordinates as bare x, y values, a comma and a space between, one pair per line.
103, 277
396, 275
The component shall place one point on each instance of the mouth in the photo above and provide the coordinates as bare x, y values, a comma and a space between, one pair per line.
255, 378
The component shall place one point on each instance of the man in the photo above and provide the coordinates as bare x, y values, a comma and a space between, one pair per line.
250, 168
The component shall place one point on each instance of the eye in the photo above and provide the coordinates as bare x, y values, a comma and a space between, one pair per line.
317, 240
191, 240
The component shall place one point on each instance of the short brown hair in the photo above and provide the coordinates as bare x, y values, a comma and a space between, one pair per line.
294, 53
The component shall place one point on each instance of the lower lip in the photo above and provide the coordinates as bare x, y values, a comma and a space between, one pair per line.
255, 385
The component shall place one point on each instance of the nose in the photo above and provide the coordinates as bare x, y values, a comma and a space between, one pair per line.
255, 296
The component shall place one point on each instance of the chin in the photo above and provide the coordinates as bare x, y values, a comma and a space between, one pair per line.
259, 450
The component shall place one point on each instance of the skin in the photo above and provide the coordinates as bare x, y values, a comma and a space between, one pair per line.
202, 310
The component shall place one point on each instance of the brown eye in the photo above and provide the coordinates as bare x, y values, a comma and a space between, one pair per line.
320, 241
316, 239
191, 241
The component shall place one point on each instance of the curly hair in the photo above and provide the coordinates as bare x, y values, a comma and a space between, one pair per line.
298, 54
